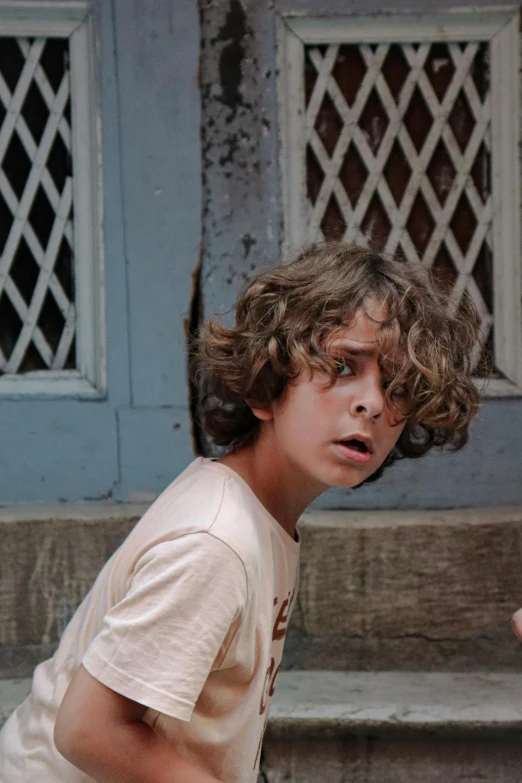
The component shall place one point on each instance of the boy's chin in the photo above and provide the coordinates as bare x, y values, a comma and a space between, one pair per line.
349, 485
350, 482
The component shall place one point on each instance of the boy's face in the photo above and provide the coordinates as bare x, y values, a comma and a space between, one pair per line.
313, 423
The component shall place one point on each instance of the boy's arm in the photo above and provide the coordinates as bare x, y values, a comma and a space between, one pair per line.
101, 733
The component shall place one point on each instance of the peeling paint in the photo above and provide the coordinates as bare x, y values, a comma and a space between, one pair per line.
233, 32
239, 143
102, 496
248, 243
232, 144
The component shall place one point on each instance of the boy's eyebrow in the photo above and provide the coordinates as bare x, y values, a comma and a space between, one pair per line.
353, 351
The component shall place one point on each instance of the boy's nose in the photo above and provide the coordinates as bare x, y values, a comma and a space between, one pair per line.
370, 401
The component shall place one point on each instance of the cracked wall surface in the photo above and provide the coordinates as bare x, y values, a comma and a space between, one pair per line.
239, 146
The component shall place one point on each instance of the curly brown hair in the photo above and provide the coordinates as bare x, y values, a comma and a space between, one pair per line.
285, 317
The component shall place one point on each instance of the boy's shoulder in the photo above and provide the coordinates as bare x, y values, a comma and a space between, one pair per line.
204, 498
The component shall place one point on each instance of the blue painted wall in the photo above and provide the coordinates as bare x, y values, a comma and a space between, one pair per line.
138, 438
171, 200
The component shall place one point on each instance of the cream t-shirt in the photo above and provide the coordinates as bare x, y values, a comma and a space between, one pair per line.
188, 617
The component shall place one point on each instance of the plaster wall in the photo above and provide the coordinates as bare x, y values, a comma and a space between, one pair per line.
192, 206
133, 442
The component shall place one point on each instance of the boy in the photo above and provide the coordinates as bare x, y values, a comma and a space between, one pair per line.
339, 363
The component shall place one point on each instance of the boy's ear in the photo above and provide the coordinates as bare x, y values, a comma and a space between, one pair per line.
264, 414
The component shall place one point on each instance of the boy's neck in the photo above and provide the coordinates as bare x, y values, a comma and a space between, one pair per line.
283, 492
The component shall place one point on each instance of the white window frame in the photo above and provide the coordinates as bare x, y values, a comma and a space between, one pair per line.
498, 26
73, 20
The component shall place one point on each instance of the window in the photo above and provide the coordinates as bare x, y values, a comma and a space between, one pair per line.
404, 130
51, 304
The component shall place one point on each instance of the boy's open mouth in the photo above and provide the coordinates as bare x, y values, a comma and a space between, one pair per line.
358, 445
356, 450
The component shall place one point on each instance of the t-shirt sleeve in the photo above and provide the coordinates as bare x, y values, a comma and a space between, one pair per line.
158, 645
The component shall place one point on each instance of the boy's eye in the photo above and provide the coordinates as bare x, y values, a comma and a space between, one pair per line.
342, 369
399, 391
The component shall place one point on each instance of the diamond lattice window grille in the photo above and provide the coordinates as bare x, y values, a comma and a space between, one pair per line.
405, 134
51, 330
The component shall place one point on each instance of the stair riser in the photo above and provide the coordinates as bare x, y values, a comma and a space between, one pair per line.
408, 597
393, 759
499, 650
46, 569
411, 597
19, 661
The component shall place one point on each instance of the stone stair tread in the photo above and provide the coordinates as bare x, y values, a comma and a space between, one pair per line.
340, 701
435, 701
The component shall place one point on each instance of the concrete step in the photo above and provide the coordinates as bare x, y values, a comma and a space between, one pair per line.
370, 727
49, 559
408, 590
